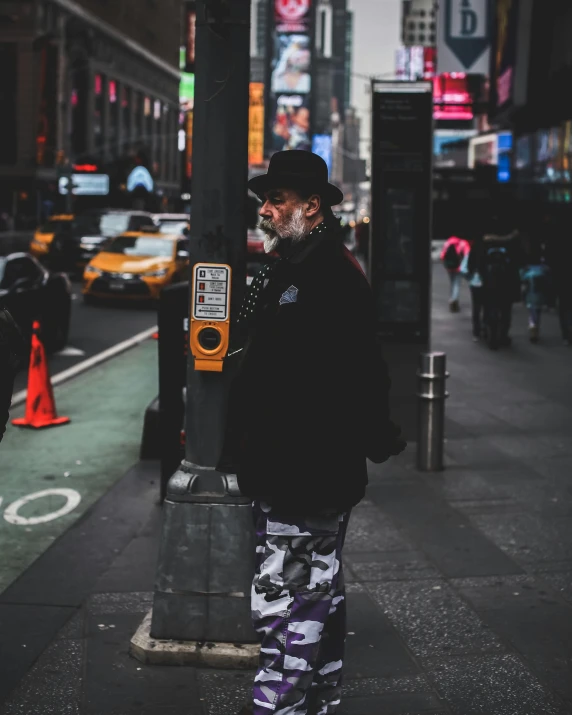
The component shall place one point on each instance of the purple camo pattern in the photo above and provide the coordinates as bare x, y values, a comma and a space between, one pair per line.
299, 611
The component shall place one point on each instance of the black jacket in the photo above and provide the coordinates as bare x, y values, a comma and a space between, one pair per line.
11, 352
310, 399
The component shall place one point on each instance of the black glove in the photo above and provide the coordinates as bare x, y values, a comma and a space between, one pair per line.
392, 445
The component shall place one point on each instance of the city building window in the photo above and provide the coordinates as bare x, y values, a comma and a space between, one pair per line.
78, 101
137, 109
113, 115
125, 117
98, 111
147, 126
157, 139
46, 130
167, 142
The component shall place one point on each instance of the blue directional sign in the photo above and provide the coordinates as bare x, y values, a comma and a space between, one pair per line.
464, 36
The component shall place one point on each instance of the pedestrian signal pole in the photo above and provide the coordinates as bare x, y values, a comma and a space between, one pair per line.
205, 565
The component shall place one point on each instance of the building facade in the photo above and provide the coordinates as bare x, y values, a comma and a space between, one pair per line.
88, 85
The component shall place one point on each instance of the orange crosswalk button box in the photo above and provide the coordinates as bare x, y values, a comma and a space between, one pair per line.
210, 315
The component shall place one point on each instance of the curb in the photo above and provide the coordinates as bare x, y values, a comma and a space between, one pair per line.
20, 397
199, 654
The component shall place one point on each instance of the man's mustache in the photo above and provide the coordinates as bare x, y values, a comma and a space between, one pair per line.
268, 226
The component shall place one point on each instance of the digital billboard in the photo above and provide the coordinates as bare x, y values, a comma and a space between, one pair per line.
292, 15
291, 72
502, 80
322, 146
452, 98
190, 35
256, 124
189, 144
289, 123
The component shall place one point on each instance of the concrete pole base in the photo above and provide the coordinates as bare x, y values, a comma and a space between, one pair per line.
151, 651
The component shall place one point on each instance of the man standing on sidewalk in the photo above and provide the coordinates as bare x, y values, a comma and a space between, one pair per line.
308, 405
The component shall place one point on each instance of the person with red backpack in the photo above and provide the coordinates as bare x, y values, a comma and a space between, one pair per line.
452, 256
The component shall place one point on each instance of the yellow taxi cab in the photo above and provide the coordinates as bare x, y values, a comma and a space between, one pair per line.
45, 234
136, 266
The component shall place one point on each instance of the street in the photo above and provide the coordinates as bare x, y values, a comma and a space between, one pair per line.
94, 329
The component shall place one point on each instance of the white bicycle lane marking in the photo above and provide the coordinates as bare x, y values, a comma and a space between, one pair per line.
12, 516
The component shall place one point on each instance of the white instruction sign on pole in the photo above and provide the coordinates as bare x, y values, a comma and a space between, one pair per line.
211, 291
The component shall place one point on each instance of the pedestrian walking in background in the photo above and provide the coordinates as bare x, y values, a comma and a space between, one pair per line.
454, 250
470, 270
300, 450
535, 288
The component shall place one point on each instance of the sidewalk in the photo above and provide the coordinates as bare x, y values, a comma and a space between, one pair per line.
460, 583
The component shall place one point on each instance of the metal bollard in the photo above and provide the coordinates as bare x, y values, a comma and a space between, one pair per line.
431, 394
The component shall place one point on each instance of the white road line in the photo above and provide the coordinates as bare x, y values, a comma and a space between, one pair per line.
94, 360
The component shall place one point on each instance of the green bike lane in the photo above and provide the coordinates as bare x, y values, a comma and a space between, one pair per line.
49, 478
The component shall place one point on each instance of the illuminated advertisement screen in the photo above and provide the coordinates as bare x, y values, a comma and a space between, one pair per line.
291, 123
256, 124
190, 35
189, 144
291, 71
502, 83
451, 97
292, 15
322, 146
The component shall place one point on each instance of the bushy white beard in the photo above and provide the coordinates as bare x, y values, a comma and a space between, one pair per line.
294, 229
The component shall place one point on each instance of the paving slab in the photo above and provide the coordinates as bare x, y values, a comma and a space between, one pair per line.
433, 620
491, 684
447, 537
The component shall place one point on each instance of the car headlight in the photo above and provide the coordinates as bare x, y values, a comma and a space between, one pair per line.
160, 273
93, 270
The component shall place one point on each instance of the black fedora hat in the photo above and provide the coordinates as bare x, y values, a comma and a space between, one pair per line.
296, 169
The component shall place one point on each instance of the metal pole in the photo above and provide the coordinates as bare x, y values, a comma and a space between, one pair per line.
431, 393
205, 568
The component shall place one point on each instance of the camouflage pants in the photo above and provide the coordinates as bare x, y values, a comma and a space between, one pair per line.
299, 610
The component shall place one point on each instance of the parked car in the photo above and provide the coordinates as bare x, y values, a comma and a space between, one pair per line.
88, 232
31, 292
136, 266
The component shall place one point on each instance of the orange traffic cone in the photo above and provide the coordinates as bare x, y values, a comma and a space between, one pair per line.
40, 405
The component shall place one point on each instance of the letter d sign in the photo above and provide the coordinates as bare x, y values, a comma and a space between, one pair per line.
468, 23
